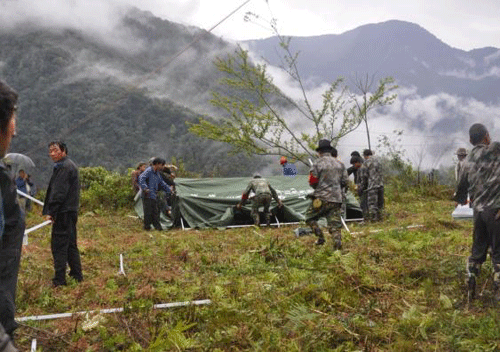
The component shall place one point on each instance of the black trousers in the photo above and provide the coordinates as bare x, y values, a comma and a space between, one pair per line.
486, 233
65, 249
10, 256
151, 213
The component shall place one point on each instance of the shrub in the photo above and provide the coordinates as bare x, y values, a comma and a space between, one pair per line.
102, 189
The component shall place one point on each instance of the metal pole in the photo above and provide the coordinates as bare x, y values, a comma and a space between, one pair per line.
29, 197
121, 272
113, 310
345, 225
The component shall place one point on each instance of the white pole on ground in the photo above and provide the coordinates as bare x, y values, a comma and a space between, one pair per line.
45, 223
277, 221
113, 310
393, 229
29, 197
26, 232
121, 272
33, 345
345, 225
182, 224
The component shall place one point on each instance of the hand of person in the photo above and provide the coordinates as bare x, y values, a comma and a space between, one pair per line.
280, 204
238, 206
146, 190
49, 217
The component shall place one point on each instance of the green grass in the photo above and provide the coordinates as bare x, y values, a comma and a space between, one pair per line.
391, 290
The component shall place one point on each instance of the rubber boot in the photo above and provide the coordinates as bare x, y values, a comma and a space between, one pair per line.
473, 270
256, 219
337, 241
496, 282
321, 238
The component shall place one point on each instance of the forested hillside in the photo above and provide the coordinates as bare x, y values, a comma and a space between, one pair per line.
119, 99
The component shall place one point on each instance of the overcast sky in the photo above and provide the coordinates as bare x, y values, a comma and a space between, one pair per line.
463, 24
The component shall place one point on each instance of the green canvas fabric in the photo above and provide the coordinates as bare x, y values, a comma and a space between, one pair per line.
210, 202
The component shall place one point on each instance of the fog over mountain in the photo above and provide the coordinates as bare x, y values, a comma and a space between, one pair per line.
442, 90
118, 93
107, 78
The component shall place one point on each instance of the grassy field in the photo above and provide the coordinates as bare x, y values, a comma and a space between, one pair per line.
389, 289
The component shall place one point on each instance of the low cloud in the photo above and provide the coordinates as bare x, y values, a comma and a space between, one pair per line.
433, 126
493, 71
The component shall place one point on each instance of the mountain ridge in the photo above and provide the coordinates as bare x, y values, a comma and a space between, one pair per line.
403, 50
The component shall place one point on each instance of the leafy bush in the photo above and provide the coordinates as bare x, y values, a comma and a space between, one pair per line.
102, 189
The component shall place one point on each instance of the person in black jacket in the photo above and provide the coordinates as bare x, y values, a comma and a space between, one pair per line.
11, 217
61, 207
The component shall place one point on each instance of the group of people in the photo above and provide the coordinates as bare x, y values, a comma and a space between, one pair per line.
60, 207
369, 181
329, 179
478, 178
149, 181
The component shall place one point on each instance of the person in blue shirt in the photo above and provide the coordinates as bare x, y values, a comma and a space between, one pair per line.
21, 185
289, 169
151, 182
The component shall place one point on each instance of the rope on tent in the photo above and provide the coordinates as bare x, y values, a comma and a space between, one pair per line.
112, 310
277, 221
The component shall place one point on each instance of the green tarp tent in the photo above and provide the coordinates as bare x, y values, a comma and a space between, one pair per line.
210, 202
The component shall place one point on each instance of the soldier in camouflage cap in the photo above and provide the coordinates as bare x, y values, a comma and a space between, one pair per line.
481, 180
263, 196
327, 176
372, 185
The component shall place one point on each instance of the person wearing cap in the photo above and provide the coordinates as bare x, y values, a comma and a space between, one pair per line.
461, 155
372, 184
264, 193
480, 179
289, 169
327, 177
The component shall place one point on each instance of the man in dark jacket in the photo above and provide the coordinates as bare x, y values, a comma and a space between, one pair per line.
61, 207
11, 216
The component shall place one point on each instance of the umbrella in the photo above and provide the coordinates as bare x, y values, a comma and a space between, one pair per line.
19, 162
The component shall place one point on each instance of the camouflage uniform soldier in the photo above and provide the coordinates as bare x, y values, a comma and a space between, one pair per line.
263, 196
480, 178
327, 176
372, 184
357, 163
